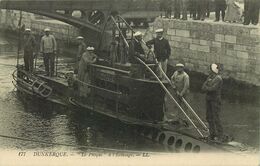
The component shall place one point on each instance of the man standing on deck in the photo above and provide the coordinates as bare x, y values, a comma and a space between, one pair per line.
212, 86
48, 48
29, 47
84, 73
162, 50
137, 47
81, 49
181, 83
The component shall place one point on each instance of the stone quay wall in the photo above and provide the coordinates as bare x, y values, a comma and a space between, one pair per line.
9, 20
198, 44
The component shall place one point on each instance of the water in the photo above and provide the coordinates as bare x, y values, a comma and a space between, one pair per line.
55, 124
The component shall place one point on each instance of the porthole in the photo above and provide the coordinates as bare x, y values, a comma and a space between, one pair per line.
147, 131
196, 149
178, 143
154, 135
171, 140
188, 147
161, 138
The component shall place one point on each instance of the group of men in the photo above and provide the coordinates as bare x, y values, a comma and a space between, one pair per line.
200, 9
181, 82
48, 48
162, 49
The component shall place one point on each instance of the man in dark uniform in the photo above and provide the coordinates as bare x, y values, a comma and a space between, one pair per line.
184, 7
201, 9
212, 86
251, 8
29, 47
193, 9
136, 48
177, 9
220, 6
162, 49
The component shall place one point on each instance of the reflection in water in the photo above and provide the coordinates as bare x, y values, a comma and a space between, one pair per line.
52, 123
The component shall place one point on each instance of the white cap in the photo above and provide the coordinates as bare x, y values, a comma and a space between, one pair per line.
27, 30
179, 65
47, 29
138, 33
80, 37
90, 48
214, 68
159, 30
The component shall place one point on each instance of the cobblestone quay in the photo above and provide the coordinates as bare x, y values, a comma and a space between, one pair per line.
197, 44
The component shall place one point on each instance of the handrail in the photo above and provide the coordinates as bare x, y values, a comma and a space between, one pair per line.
99, 88
110, 68
167, 91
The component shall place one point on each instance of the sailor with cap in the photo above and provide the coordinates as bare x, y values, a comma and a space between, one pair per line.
212, 86
84, 75
136, 47
29, 47
162, 49
48, 48
181, 82
81, 49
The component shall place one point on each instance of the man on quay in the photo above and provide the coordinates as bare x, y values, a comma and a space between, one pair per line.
181, 83
29, 47
251, 11
162, 50
220, 6
212, 86
48, 48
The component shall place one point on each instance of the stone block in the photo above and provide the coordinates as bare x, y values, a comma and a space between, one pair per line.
178, 24
219, 37
217, 50
194, 47
171, 32
216, 44
243, 55
236, 30
189, 66
227, 60
175, 38
230, 39
218, 28
248, 41
196, 41
204, 42
253, 56
231, 53
203, 48
186, 40
182, 33
255, 49
254, 32
213, 58
239, 47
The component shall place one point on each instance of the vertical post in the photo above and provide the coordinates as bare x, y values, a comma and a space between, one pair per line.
19, 38
57, 58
